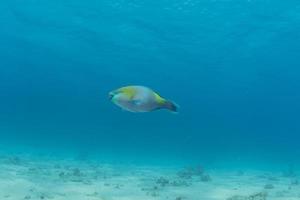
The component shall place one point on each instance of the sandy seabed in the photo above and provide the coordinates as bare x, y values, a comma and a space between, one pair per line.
73, 179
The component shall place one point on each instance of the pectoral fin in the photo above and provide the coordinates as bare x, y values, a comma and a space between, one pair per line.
136, 102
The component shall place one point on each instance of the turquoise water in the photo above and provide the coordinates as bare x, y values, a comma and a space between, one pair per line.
232, 66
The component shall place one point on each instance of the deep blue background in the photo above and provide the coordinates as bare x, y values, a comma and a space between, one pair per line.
232, 66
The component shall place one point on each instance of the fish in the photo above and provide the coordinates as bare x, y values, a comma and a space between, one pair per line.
140, 99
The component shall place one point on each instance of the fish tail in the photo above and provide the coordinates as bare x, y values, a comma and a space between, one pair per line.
173, 107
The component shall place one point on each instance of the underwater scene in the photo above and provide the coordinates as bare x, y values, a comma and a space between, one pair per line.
150, 100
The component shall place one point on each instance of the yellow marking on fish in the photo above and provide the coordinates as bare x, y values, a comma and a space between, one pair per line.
159, 99
129, 91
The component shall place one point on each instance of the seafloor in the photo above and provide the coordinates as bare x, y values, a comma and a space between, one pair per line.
23, 177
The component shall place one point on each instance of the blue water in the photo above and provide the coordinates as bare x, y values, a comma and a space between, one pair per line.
231, 65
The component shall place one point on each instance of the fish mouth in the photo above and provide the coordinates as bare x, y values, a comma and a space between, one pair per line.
111, 96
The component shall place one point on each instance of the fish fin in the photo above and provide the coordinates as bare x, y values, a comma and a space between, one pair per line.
173, 107
136, 102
